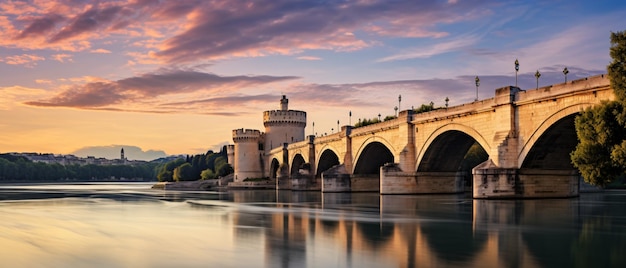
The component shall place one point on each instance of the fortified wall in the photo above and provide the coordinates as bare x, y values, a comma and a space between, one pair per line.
249, 153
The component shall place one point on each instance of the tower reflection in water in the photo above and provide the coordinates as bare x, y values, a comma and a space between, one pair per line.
312, 229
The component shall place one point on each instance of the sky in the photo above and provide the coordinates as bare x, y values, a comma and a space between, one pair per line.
176, 77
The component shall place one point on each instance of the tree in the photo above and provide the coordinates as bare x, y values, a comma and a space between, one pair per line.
208, 174
184, 172
222, 168
600, 155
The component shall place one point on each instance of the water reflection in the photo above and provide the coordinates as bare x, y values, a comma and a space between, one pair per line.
122, 226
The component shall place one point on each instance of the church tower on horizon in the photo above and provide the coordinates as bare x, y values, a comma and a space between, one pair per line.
122, 155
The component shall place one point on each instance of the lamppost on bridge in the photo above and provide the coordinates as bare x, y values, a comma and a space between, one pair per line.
350, 118
565, 72
396, 110
379, 117
314, 128
537, 75
337, 125
477, 80
332, 130
516, 70
399, 101
447, 102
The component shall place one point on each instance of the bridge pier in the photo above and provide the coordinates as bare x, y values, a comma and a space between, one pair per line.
394, 181
491, 182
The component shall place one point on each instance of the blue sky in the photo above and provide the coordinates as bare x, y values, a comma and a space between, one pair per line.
178, 76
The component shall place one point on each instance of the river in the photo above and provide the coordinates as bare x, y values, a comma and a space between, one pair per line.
131, 225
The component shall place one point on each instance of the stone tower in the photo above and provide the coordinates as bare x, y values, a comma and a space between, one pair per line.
283, 126
122, 154
248, 154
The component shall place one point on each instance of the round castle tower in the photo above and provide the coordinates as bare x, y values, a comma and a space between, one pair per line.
248, 154
283, 126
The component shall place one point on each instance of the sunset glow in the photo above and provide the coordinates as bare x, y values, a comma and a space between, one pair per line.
178, 76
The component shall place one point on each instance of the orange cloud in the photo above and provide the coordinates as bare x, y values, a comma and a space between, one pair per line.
62, 57
28, 60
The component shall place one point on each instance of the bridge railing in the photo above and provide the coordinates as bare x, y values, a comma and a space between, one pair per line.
556, 90
389, 124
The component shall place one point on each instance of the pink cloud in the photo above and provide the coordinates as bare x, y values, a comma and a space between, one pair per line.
194, 30
308, 58
28, 60
62, 57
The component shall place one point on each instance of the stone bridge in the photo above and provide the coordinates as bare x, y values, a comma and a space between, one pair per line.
523, 139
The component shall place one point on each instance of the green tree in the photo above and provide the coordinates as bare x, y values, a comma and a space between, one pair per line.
222, 168
600, 155
184, 172
208, 174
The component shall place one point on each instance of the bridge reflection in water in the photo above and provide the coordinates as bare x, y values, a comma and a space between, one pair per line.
369, 230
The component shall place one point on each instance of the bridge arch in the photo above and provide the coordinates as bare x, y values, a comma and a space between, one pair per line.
296, 163
438, 140
372, 154
274, 166
327, 159
556, 132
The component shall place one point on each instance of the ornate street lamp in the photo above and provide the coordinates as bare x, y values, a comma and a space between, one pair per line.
314, 128
447, 102
477, 80
378, 117
565, 72
399, 101
396, 110
337, 125
537, 75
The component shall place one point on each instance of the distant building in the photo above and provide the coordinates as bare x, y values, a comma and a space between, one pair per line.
64, 160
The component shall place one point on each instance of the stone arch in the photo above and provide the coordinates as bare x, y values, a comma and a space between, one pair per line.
546, 125
274, 166
328, 158
451, 130
372, 154
296, 163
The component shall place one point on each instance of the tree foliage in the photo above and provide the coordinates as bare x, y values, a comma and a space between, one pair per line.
14, 168
184, 172
600, 155
196, 167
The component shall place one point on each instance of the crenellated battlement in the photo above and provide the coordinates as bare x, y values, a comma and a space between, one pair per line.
243, 135
284, 118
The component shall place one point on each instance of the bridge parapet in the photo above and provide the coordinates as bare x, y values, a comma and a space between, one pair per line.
298, 145
563, 89
378, 127
454, 111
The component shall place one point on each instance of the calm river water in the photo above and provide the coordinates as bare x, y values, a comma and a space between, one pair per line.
131, 225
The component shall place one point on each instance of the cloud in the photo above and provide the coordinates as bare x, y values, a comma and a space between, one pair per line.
28, 60
192, 31
15, 95
62, 57
101, 51
455, 44
89, 21
150, 89
282, 27
43, 81
40, 26
114, 152
308, 58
